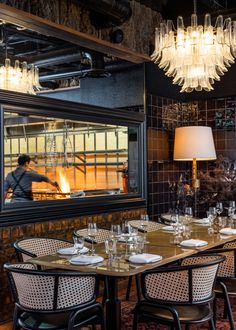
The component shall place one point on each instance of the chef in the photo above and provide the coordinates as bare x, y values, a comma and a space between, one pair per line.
20, 181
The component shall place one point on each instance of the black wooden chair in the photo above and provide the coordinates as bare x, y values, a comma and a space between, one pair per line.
226, 279
176, 295
53, 300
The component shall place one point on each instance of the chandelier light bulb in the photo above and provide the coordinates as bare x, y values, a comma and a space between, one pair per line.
198, 55
19, 78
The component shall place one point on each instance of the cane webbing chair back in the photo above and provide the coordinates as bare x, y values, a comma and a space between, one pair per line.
49, 291
228, 267
38, 246
189, 283
230, 245
149, 225
99, 237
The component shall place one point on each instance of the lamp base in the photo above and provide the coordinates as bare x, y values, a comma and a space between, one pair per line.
196, 184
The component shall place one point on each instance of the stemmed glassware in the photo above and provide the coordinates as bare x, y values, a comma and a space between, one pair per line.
92, 231
78, 244
219, 208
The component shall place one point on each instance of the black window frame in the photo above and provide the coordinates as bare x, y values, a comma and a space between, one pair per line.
56, 209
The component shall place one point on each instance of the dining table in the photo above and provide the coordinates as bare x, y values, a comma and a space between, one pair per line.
160, 242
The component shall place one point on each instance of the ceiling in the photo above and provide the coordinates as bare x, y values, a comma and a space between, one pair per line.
170, 9
63, 63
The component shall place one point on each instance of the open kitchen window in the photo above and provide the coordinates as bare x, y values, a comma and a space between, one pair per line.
73, 163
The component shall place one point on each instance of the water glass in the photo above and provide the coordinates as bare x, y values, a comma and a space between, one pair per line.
92, 232
78, 244
210, 218
126, 230
115, 231
231, 212
143, 225
110, 248
139, 244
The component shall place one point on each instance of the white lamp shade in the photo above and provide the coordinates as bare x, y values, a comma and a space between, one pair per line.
194, 142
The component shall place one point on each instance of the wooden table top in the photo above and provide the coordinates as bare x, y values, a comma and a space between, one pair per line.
160, 242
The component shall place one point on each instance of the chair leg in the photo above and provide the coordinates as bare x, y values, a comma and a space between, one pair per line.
138, 287
105, 293
135, 321
228, 306
214, 311
211, 324
129, 288
15, 320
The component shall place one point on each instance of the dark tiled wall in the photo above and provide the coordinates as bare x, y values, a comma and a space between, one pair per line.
218, 178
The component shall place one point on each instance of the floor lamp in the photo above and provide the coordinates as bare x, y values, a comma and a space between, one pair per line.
194, 143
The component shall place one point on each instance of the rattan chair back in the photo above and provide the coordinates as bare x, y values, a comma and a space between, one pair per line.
38, 246
190, 283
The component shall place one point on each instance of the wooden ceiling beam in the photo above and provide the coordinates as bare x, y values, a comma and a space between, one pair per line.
51, 29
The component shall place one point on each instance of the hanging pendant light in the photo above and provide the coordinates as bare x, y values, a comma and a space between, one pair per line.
198, 55
20, 77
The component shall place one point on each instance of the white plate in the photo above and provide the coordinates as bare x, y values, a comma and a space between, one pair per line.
228, 231
71, 251
193, 243
84, 260
203, 221
168, 228
145, 258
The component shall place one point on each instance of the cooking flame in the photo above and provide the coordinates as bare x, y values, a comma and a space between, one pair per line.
64, 183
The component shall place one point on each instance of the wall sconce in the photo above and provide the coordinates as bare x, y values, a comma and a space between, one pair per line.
194, 143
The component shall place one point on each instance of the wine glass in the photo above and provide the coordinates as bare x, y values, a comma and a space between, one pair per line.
78, 244
144, 224
92, 231
219, 208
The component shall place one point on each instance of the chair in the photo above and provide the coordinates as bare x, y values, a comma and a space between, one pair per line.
226, 279
176, 295
150, 227
100, 237
27, 248
53, 300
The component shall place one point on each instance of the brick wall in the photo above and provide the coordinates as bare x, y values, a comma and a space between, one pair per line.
62, 228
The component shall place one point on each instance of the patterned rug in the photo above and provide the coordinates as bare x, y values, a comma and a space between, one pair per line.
127, 318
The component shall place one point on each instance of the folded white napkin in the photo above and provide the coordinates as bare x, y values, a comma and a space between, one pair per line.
204, 221
86, 260
144, 258
168, 228
228, 231
193, 243
71, 250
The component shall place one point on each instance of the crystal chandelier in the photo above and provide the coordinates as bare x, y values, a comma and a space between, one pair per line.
19, 78
198, 55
